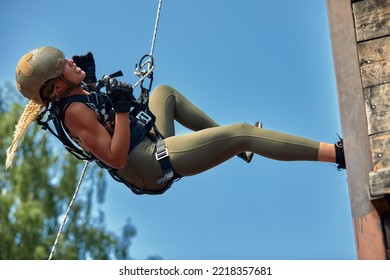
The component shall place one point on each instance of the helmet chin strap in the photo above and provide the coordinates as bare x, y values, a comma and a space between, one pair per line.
71, 85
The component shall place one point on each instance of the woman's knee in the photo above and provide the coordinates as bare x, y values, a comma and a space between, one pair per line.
161, 94
240, 128
163, 90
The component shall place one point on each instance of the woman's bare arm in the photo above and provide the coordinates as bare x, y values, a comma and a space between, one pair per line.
83, 122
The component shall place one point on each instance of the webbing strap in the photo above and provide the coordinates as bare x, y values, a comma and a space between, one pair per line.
140, 126
162, 156
145, 121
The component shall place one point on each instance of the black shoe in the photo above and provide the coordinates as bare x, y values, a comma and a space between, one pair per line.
247, 156
340, 159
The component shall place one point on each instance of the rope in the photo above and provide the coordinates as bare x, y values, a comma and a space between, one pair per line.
68, 210
155, 27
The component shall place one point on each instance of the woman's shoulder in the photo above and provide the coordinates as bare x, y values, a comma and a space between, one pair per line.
76, 108
78, 112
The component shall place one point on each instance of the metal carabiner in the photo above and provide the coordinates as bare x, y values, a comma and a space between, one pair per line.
144, 69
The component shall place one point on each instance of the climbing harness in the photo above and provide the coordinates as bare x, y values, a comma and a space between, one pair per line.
141, 119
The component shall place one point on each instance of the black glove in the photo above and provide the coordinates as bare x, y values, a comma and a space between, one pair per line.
87, 64
120, 95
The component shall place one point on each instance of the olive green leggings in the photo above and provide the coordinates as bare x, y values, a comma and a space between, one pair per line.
209, 145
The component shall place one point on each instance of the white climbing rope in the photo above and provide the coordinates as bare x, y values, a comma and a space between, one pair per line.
155, 28
143, 74
68, 210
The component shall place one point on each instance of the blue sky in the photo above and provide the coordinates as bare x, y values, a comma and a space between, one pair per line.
240, 61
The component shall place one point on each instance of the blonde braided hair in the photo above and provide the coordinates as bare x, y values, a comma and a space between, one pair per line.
30, 114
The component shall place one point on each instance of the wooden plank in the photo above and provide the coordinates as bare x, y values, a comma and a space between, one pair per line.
351, 102
368, 229
372, 19
370, 241
374, 57
377, 101
380, 182
380, 151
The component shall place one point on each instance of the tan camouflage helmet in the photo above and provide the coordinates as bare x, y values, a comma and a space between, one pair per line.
36, 68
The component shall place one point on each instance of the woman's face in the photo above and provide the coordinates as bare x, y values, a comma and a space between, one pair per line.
72, 72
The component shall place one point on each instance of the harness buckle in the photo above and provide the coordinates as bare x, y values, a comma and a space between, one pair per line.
143, 117
161, 154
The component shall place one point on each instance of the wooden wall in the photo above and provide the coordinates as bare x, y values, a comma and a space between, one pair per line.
372, 26
360, 34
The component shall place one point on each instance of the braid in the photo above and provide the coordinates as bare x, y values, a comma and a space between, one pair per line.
30, 114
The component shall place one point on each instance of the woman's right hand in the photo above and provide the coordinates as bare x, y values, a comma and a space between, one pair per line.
120, 95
